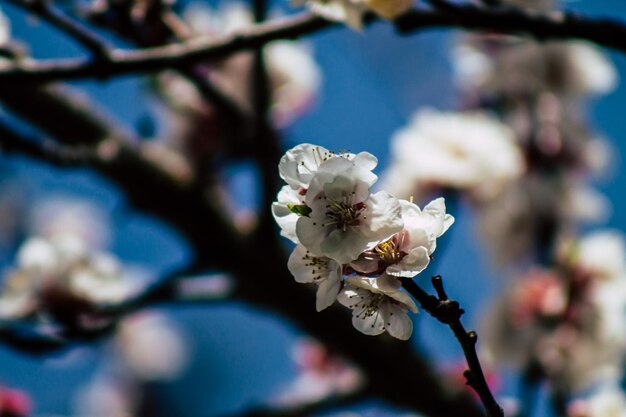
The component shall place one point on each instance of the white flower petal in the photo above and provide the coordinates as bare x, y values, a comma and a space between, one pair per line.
412, 264
327, 291
383, 216
284, 217
397, 323
299, 164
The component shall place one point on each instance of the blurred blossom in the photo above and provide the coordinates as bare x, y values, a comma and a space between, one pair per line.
70, 216
594, 72
351, 12
471, 67
521, 223
569, 321
454, 150
509, 66
147, 348
106, 397
152, 347
586, 204
602, 254
14, 403
210, 286
62, 277
321, 375
5, 29
607, 402
293, 73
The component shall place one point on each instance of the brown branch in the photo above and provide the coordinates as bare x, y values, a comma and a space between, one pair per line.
449, 313
159, 58
46, 150
258, 265
414, 385
556, 25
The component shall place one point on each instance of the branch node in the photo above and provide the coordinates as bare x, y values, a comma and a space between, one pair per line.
438, 285
469, 378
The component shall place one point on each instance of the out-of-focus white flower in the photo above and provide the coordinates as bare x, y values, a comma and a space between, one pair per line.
408, 252
294, 75
608, 402
594, 73
345, 218
321, 375
70, 216
5, 29
152, 347
60, 273
106, 397
574, 328
586, 204
471, 66
457, 150
326, 273
378, 305
603, 254
510, 329
351, 11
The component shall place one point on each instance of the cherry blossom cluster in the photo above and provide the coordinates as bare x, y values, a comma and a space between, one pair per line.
570, 319
353, 244
60, 277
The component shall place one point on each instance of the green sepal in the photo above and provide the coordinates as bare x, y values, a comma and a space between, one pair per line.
299, 209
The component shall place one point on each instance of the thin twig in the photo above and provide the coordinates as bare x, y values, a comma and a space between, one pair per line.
217, 247
449, 312
73, 28
43, 149
555, 25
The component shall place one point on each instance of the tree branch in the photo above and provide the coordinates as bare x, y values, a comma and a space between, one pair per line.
449, 313
45, 150
158, 58
555, 25
215, 245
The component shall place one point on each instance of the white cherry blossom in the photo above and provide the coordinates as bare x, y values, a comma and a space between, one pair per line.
345, 219
283, 213
326, 273
378, 305
297, 168
408, 252
300, 164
